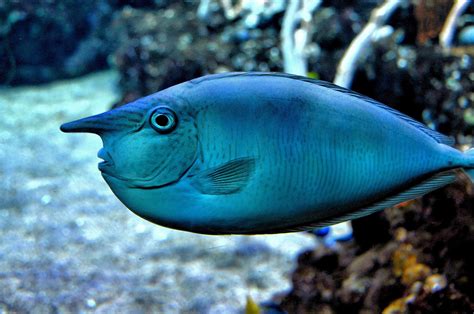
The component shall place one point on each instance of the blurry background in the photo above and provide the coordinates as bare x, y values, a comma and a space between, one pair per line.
66, 243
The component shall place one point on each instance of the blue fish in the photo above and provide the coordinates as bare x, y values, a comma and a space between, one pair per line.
251, 153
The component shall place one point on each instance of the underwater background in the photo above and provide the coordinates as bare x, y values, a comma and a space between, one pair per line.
68, 245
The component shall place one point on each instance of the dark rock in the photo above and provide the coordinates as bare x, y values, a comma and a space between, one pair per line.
371, 230
154, 48
46, 40
161, 48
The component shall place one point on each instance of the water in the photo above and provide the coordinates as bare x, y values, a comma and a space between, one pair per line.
68, 245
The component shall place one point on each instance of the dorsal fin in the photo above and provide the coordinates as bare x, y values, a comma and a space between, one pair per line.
438, 137
435, 182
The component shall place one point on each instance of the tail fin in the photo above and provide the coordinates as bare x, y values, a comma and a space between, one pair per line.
470, 169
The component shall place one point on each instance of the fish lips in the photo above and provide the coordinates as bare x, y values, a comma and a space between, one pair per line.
107, 163
107, 168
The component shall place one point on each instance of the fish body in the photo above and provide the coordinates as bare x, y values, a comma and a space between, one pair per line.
253, 153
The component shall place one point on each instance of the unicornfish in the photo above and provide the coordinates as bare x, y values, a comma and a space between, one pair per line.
252, 153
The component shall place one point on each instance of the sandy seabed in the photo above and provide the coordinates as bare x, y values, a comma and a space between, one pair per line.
67, 244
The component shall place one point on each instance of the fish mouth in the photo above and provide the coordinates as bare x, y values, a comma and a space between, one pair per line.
107, 168
107, 161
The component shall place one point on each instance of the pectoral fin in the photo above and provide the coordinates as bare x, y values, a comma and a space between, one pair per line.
227, 178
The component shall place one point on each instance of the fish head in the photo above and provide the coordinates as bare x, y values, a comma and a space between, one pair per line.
148, 144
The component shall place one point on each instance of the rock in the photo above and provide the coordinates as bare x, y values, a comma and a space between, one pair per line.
47, 40
370, 230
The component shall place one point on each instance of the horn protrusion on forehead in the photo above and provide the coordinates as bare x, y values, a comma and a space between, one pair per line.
113, 120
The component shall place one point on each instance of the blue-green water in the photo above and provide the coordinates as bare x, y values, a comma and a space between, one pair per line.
67, 245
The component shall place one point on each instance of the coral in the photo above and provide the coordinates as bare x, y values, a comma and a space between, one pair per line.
160, 48
431, 15
435, 283
396, 307
403, 258
415, 273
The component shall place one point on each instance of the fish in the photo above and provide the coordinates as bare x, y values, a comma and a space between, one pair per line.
263, 153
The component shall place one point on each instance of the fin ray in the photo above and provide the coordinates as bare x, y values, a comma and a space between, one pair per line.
225, 179
435, 182
470, 174
469, 170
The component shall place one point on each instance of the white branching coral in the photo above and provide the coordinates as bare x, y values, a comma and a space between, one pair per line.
295, 34
348, 64
447, 33
252, 11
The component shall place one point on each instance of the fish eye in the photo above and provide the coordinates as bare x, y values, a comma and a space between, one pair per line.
163, 120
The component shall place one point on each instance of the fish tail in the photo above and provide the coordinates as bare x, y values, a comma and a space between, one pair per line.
469, 169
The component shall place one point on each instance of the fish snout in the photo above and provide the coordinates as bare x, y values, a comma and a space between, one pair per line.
93, 124
113, 120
